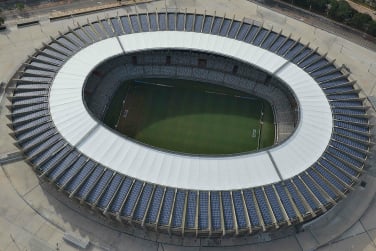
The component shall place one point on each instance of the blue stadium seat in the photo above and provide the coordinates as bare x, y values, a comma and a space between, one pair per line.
171, 22
80, 176
140, 210
120, 196
51, 157
108, 28
339, 164
227, 210
66, 43
216, 25
126, 26
180, 22
80, 37
233, 29
178, 211
110, 191
295, 197
251, 34
162, 21
260, 36
285, 201
307, 196
274, 203
153, 22
329, 77
131, 199
99, 30
264, 209
144, 22
153, 211
63, 165
98, 187
311, 186
322, 64
191, 209
166, 207
203, 210
243, 31
198, 23
285, 47
116, 25
215, 211
294, 51
332, 177
322, 184
74, 168
134, 22
91, 33
89, 182
251, 207
239, 210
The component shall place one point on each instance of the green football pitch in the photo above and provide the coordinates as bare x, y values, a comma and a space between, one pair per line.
191, 117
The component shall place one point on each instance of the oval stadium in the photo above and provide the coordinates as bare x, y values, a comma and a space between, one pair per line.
191, 126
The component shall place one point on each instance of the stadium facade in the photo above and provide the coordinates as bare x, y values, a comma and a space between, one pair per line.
290, 183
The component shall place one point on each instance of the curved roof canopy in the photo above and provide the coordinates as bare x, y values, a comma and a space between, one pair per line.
284, 161
207, 196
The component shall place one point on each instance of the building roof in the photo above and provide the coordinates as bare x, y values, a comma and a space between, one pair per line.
289, 183
90, 137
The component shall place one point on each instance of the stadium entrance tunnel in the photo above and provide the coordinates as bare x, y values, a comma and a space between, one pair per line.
191, 102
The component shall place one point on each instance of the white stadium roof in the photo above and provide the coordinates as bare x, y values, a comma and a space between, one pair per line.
283, 161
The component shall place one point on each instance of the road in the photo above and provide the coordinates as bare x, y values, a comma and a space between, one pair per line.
45, 8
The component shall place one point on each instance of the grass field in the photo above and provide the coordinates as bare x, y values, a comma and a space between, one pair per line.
191, 117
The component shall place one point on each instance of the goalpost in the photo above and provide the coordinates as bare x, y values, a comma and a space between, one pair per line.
261, 122
123, 111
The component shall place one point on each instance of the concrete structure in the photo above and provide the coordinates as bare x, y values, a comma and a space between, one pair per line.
28, 188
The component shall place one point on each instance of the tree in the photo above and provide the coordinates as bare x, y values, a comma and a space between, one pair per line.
302, 3
2, 19
319, 5
20, 6
340, 11
333, 6
360, 20
372, 28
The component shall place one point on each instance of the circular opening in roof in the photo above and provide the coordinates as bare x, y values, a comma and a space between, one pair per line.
189, 102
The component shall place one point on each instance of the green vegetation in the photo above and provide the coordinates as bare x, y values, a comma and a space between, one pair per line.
191, 117
340, 11
319, 5
302, 3
372, 28
2, 19
367, 3
360, 21
20, 6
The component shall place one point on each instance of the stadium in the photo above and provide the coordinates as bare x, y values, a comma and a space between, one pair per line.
310, 127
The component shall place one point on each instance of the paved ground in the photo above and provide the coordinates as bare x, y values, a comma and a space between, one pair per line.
43, 8
33, 216
363, 9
